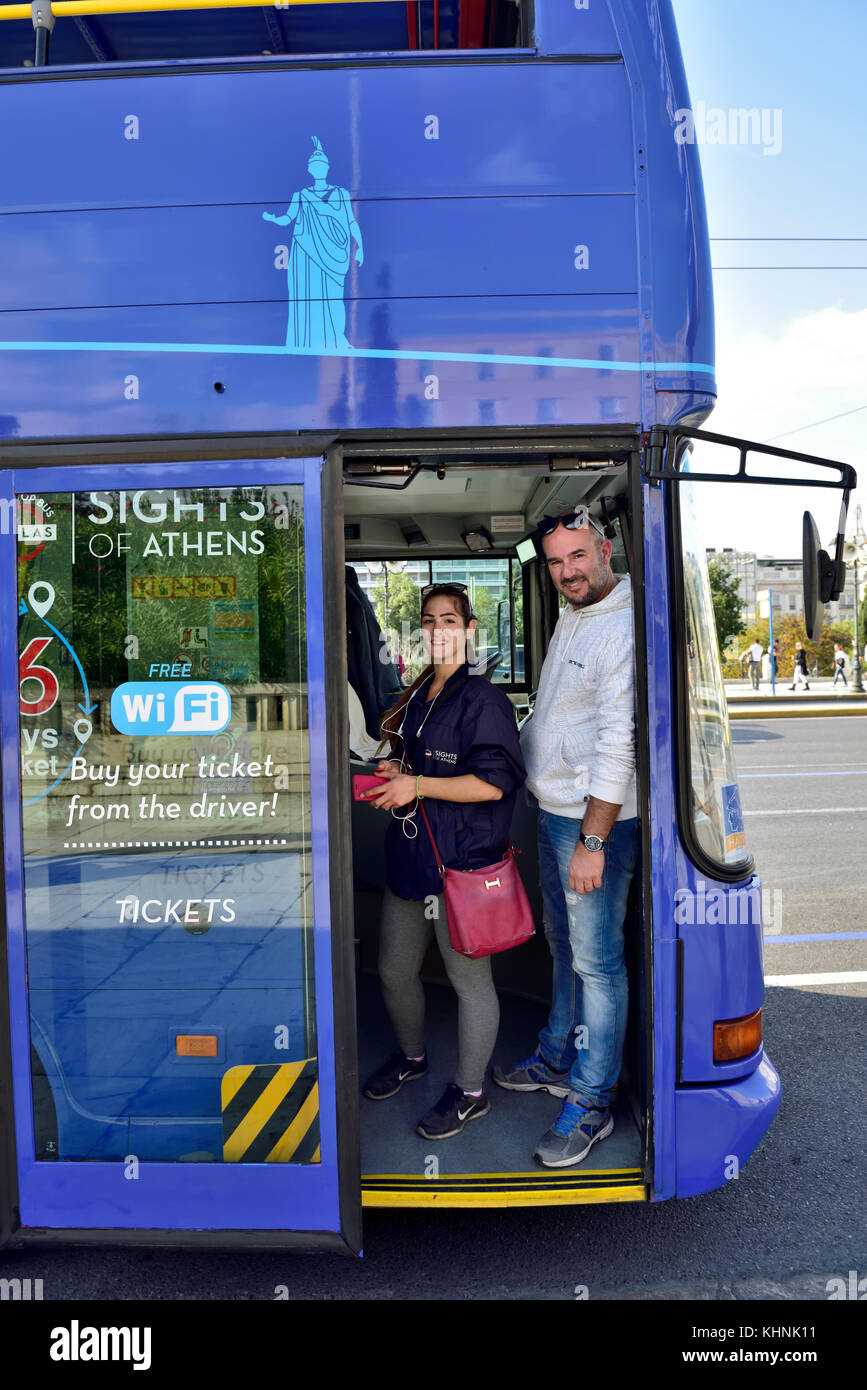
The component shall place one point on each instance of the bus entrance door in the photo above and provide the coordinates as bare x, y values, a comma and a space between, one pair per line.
167, 883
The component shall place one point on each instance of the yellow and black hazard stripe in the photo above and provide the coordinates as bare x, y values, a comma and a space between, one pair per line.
271, 1113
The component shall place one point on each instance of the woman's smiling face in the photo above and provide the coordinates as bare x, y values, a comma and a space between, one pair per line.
443, 631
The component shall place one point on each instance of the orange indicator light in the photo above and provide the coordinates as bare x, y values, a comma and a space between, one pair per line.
734, 1038
196, 1045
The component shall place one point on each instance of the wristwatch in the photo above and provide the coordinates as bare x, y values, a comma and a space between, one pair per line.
592, 842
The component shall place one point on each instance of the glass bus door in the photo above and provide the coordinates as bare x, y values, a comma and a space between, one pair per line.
168, 896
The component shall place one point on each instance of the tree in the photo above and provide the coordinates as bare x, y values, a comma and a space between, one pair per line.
485, 608
397, 604
788, 630
727, 605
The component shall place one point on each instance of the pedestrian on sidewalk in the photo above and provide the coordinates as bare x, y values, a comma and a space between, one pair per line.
840, 664
800, 672
754, 653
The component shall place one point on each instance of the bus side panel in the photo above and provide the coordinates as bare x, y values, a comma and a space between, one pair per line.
484, 362
188, 320
676, 296
718, 1127
722, 969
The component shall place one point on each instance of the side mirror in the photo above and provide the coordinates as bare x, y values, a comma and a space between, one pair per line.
823, 578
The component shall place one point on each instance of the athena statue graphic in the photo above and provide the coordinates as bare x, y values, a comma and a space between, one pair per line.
319, 258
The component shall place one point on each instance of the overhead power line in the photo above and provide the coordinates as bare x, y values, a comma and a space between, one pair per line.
789, 267
788, 238
813, 425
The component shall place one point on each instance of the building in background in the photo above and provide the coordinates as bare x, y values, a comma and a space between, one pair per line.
783, 577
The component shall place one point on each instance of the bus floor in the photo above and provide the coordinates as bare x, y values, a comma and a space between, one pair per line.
490, 1163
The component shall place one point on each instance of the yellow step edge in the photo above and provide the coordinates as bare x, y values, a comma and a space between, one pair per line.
544, 1196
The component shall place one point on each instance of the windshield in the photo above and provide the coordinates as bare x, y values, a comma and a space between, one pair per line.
715, 799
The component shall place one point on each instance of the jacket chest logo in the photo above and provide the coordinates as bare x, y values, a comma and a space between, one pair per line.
441, 756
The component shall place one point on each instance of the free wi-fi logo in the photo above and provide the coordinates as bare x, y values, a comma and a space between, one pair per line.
170, 707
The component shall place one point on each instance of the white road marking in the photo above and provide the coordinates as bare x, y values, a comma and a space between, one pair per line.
840, 977
854, 772
811, 811
778, 767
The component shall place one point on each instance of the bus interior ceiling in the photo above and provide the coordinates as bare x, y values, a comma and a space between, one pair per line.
424, 516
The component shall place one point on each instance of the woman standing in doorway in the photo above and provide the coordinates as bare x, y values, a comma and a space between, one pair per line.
454, 743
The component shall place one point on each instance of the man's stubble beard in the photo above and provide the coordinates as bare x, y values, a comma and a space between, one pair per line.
594, 593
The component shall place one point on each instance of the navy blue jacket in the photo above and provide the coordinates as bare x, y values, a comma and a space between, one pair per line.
375, 682
471, 728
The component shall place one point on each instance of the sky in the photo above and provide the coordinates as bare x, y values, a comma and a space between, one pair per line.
791, 346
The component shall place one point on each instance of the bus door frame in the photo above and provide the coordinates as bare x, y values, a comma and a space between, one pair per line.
663, 449
625, 439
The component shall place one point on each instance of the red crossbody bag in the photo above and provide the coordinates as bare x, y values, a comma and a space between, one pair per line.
488, 910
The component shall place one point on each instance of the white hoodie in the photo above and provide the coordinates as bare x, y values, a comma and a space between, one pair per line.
580, 741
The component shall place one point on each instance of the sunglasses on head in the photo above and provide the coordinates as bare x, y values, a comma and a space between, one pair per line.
447, 586
575, 520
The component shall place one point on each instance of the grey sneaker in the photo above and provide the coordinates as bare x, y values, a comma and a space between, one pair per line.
574, 1132
533, 1074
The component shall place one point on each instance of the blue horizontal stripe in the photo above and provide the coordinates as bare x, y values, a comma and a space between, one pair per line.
268, 350
818, 936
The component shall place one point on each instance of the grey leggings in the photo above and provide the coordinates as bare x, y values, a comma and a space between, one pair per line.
405, 933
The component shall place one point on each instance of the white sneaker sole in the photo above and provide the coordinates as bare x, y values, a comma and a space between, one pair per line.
416, 1076
480, 1114
576, 1158
553, 1090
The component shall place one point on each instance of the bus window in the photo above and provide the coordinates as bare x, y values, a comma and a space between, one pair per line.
496, 597
717, 818
494, 584
283, 28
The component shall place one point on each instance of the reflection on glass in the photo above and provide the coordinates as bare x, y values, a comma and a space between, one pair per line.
496, 594
164, 776
716, 807
496, 610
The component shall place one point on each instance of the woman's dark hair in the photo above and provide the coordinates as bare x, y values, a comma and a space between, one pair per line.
390, 720
462, 600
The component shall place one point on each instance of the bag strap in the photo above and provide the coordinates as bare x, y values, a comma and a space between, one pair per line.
511, 849
439, 862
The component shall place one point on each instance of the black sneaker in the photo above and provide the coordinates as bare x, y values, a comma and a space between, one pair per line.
392, 1074
453, 1110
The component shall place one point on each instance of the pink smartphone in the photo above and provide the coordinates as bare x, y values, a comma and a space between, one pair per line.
365, 782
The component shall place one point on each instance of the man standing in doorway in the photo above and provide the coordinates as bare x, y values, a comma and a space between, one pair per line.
579, 749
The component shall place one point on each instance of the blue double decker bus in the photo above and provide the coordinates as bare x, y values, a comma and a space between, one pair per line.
306, 306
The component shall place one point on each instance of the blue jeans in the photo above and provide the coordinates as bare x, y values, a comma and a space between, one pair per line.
585, 936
